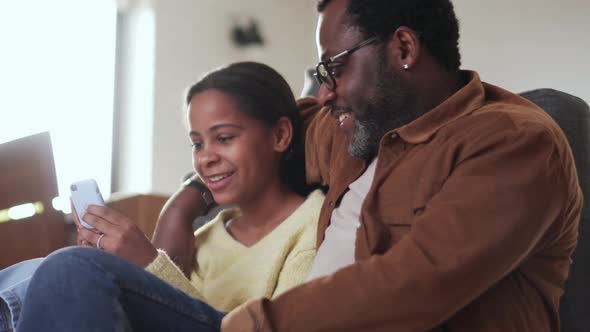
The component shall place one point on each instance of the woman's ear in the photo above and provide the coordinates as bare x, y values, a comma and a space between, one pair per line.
282, 134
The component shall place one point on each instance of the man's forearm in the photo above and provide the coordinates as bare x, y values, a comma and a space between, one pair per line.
175, 236
478, 228
174, 232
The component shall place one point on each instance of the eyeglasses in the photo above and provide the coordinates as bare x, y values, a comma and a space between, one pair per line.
323, 71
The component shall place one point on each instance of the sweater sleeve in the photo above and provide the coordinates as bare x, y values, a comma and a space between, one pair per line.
165, 269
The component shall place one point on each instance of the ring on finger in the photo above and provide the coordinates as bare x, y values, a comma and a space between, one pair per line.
98, 241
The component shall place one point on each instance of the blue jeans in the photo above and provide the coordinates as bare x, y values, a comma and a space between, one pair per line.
86, 289
14, 281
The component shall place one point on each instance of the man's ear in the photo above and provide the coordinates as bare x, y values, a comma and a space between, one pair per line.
403, 48
282, 134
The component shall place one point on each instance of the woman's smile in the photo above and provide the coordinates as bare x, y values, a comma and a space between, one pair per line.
219, 181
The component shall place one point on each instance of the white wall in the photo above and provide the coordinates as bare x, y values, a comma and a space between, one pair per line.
134, 100
528, 44
191, 38
519, 45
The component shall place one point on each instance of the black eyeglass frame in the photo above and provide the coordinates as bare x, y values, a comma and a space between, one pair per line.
323, 74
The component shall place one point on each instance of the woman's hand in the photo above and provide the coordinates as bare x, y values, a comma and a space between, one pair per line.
116, 234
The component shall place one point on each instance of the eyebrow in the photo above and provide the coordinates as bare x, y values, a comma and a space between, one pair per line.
217, 127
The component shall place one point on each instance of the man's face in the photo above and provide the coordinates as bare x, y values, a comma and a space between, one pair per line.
371, 97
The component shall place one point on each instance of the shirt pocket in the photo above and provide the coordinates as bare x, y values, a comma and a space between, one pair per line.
401, 211
399, 214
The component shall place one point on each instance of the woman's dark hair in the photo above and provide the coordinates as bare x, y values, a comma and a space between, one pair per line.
434, 20
262, 93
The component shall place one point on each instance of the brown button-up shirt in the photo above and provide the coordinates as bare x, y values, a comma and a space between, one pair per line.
469, 225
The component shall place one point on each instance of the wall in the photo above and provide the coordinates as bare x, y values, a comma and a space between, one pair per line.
528, 44
191, 38
134, 100
518, 45
194, 36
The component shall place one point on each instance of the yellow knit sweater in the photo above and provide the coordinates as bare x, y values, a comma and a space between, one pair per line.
227, 273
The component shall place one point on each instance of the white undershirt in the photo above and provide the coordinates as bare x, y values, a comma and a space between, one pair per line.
337, 249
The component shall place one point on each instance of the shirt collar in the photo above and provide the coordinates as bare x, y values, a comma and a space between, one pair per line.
463, 102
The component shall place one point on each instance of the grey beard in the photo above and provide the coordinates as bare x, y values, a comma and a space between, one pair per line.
365, 140
390, 107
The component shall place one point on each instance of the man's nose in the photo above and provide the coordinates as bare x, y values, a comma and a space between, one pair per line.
325, 95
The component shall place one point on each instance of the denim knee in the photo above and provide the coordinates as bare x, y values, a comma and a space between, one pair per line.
70, 259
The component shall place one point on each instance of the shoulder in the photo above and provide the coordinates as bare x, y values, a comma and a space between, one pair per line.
310, 209
216, 224
512, 112
306, 214
324, 141
504, 132
299, 229
505, 120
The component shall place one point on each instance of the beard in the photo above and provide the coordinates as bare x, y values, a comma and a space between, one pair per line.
390, 107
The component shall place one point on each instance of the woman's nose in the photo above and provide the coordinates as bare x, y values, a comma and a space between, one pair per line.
206, 158
325, 95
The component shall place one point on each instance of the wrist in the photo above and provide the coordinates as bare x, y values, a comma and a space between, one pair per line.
193, 183
149, 258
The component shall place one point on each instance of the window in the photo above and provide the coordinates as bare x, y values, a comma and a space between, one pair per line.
57, 72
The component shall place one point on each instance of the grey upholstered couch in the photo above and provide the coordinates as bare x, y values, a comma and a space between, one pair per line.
573, 115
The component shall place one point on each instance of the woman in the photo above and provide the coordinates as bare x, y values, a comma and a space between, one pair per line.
247, 148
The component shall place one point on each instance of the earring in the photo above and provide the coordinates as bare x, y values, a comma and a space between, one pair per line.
290, 153
406, 67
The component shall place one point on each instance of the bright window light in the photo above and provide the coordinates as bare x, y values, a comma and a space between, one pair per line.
62, 203
21, 211
57, 74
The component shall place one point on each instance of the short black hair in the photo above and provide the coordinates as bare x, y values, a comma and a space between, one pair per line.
434, 20
262, 93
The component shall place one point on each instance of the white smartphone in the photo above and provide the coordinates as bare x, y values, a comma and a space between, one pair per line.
84, 193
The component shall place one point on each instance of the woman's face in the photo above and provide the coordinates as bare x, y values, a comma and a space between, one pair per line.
234, 153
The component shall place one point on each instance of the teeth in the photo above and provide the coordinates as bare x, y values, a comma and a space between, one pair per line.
343, 117
219, 177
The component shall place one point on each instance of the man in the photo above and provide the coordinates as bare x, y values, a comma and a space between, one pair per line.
453, 205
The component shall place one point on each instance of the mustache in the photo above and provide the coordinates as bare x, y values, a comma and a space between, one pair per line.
336, 108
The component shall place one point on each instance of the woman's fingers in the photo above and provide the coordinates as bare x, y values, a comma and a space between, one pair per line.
79, 239
108, 214
85, 243
87, 237
117, 235
100, 223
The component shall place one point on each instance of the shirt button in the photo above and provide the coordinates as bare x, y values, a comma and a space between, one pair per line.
330, 204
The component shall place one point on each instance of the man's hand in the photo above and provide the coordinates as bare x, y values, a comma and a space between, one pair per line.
174, 232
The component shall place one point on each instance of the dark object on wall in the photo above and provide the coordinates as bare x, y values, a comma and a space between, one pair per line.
573, 116
27, 175
247, 34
